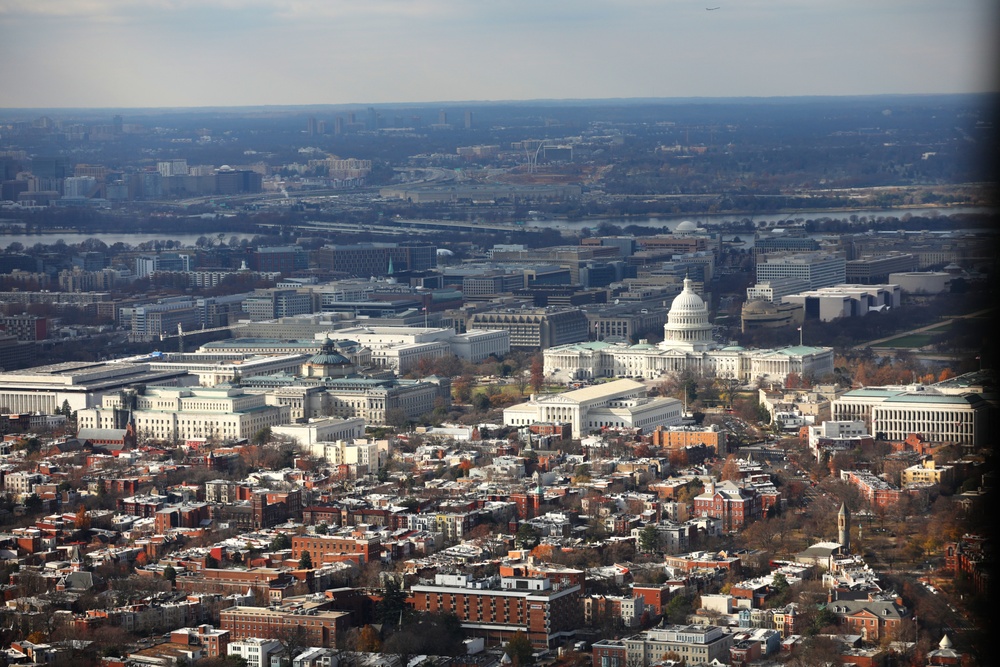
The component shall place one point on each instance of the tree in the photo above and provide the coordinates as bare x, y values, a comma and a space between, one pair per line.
519, 650
396, 418
526, 537
481, 402
679, 608
368, 640
170, 574
262, 436
81, 521
731, 470
537, 373
392, 607
649, 539
306, 562
281, 542
293, 638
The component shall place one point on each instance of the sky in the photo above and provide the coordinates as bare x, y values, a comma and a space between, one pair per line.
189, 53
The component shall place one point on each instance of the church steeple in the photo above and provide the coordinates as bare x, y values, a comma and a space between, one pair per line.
844, 527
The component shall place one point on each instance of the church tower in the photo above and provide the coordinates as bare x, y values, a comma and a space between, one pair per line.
844, 528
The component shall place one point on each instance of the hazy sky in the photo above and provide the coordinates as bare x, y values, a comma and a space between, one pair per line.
135, 53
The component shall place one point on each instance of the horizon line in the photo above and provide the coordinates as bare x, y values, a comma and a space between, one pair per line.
540, 101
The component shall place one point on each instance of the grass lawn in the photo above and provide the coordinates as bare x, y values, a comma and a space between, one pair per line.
917, 339
912, 340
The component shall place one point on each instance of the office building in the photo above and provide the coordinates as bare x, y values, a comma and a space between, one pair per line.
174, 167
618, 404
819, 269
146, 265
44, 389
320, 626
496, 609
694, 644
895, 412
282, 259
535, 328
269, 304
875, 269
376, 259
830, 303
773, 290
190, 413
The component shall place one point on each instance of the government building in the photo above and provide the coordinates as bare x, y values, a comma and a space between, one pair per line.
938, 414
188, 413
618, 404
687, 346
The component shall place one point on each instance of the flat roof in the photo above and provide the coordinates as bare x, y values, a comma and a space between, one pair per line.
602, 390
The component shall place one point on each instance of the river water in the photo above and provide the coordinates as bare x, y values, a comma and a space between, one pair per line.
707, 221
771, 219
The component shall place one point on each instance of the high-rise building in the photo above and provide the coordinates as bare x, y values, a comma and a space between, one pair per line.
79, 186
820, 269
174, 167
376, 259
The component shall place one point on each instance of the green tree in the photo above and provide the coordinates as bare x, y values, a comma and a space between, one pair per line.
392, 607
519, 650
306, 562
679, 608
649, 539
526, 537
170, 574
481, 402
281, 542
262, 437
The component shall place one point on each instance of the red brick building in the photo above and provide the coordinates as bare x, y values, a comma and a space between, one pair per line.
738, 507
331, 548
652, 595
188, 515
609, 653
212, 641
546, 614
872, 619
321, 626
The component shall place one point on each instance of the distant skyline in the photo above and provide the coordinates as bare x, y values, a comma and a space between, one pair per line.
192, 53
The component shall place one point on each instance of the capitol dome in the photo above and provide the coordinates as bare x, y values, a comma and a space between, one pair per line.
687, 321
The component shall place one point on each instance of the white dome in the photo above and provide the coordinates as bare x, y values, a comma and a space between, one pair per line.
688, 301
687, 321
686, 226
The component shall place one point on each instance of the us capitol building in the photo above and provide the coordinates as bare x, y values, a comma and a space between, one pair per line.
687, 346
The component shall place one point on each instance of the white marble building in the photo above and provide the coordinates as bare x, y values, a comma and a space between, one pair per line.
619, 404
687, 345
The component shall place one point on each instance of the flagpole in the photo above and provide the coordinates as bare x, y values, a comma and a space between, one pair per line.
800, 336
